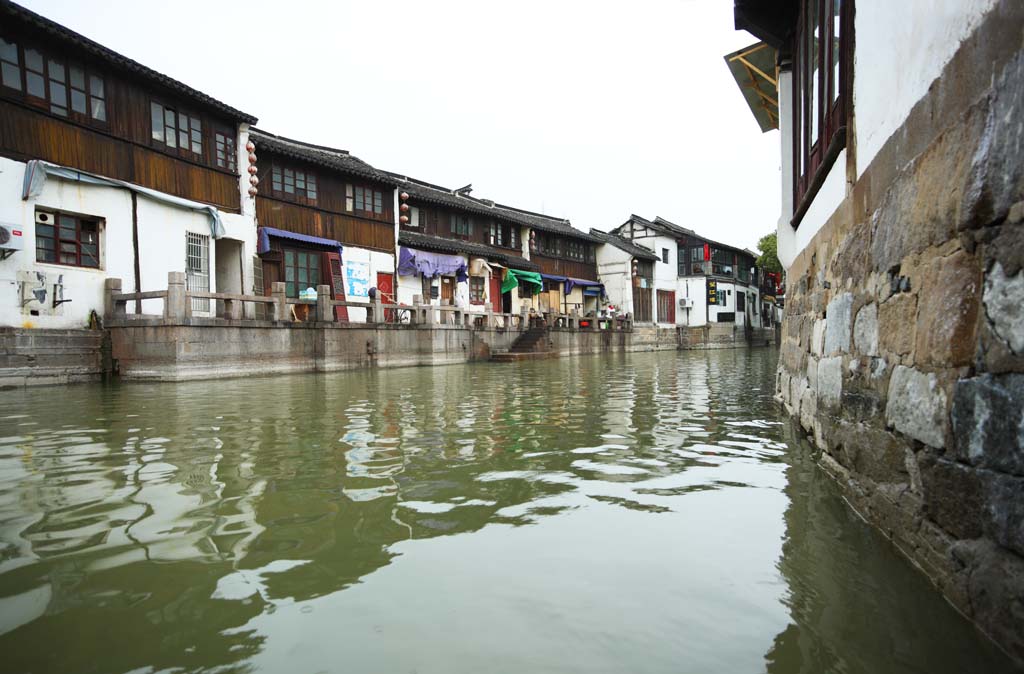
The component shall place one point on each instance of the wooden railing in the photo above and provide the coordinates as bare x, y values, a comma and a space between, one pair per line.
177, 305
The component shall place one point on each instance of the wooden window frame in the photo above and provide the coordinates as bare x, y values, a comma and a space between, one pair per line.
93, 86
460, 226
477, 292
225, 149
186, 125
59, 241
717, 265
292, 288
364, 200
827, 107
302, 183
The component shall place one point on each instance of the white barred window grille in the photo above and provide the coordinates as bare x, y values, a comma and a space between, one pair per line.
197, 268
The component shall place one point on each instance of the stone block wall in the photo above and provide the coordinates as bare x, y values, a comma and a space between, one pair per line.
903, 343
33, 357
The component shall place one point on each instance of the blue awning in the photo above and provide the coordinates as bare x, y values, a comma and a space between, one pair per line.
553, 277
597, 286
264, 234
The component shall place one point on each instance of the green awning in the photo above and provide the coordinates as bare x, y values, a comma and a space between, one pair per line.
515, 276
753, 68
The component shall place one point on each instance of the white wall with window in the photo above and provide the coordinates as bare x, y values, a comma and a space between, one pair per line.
90, 239
880, 99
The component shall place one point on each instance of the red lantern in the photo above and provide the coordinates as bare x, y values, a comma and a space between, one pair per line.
250, 146
404, 219
252, 191
252, 170
254, 181
403, 196
404, 207
252, 158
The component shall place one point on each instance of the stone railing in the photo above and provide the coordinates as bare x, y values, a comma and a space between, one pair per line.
178, 302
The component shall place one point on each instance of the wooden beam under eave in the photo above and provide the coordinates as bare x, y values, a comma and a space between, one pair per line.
757, 70
747, 52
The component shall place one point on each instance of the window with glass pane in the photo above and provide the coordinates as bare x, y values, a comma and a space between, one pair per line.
35, 79
69, 240
820, 90
378, 202
721, 262
476, 289
10, 64
97, 98
301, 271
349, 199
224, 150
58, 87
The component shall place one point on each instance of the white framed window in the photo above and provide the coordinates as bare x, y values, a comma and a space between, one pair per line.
414, 217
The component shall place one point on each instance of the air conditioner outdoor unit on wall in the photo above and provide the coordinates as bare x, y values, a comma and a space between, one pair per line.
685, 303
11, 239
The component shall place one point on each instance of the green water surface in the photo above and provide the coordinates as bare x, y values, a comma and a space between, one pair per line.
625, 513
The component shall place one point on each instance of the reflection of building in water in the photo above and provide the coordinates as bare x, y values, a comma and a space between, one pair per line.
855, 604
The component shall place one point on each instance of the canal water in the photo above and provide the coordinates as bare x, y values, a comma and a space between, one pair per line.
625, 513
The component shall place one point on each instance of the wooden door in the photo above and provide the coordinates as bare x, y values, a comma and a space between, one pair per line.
386, 290
447, 290
496, 293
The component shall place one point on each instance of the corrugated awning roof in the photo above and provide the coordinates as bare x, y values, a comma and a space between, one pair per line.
753, 68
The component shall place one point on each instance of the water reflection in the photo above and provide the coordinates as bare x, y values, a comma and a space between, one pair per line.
643, 512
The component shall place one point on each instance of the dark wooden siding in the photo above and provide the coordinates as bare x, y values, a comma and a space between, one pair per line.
347, 229
26, 134
436, 221
549, 265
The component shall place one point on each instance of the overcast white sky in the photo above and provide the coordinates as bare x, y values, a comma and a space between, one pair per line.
585, 110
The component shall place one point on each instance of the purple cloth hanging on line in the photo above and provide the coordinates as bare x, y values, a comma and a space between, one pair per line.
412, 262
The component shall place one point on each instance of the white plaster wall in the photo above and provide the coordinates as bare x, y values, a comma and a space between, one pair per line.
379, 262
901, 47
692, 287
615, 271
162, 242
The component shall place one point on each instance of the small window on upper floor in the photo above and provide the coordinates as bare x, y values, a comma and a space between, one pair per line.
363, 200
414, 217
664, 255
176, 130
225, 155
293, 184
461, 225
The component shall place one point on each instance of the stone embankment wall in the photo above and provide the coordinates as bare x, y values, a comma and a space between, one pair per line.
210, 348
903, 342
39, 357
724, 336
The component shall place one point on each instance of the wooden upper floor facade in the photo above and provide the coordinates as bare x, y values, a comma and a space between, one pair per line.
70, 101
323, 192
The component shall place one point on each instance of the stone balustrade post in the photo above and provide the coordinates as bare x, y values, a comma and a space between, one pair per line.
378, 310
324, 310
277, 291
232, 310
177, 305
112, 309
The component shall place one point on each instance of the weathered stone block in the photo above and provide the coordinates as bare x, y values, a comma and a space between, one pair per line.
830, 381
865, 330
916, 405
948, 311
1004, 306
988, 422
897, 318
818, 338
954, 497
1005, 501
838, 324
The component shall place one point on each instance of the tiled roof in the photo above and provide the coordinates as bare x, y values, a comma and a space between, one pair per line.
435, 243
662, 225
446, 197
634, 249
10, 11
339, 160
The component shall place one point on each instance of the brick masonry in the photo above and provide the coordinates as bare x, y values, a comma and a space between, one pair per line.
903, 343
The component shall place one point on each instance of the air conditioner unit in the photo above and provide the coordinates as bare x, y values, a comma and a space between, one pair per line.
45, 218
685, 303
11, 238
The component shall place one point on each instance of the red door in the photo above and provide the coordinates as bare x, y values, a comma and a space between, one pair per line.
386, 289
496, 293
